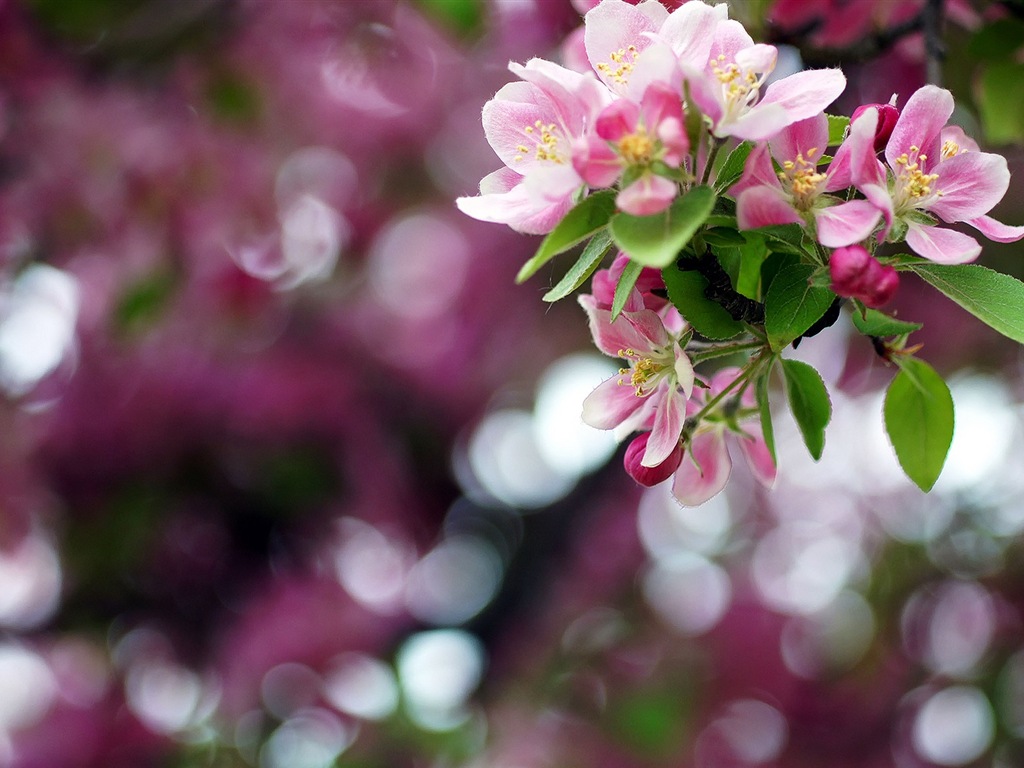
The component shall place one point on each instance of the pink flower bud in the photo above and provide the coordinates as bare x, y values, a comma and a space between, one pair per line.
856, 275
650, 475
617, 119
888, 114
881, 286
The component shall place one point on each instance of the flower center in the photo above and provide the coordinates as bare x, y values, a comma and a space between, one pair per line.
636, 148
643, 372
739, 86
622, 65
914, 186
802, 178
950, 149
545, 140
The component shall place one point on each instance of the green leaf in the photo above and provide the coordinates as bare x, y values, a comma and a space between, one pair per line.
624, 286
732, 168
766, 414
708, 318
586, 219
809, 401
792, 305
744, 262
584, 267
723, 236
992, 297
919, 420
655, 241
1001, 101
875, 323
837, 125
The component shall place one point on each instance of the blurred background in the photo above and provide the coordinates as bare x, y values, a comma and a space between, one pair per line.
292, 474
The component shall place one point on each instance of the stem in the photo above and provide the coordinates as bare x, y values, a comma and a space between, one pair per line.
741, 379
935, 49
716, 144
723, 350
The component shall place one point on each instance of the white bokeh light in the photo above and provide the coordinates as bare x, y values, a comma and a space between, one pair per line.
954, 726
164, 696
27, 687
361, 686
370, 566
438, 670
454, 581
311, 738
30, 573
688, 592
666, 527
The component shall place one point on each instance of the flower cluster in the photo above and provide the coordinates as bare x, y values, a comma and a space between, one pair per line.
743, 214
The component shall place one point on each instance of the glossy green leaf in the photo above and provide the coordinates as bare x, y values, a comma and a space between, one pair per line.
583, 221
626, 282
919, 420
766, 414
875, 323
655, 241
708, 318
584, 267
837, 125
732, 168
992, 297
792, 305
809, 402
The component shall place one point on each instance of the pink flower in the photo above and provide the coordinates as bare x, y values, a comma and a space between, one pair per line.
531, 126
856, 274
706, 467
935, 169
650, 393
649, 476
728, 89
631, 139
795, 195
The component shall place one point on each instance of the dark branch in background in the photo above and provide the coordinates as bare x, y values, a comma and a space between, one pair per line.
935, 48
720, 289
867, 48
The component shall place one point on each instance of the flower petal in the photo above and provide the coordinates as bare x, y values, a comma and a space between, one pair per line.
846, 223
757, 171
920, 124
970, 183
705, 469
504, 199
611, 403
996, 230
758, 457
807, 138
614, 26
612, 338
690, 31
647, 195
668, 425
943, 246
806, 93
764, 206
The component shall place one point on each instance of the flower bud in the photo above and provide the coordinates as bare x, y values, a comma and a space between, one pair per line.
888, 114
857, 275
881, 286
650, 475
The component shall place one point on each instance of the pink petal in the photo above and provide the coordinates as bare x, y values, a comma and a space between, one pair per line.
757, 171
971, 184
758, 457
730, 38
684, 372
801, 138
668, 427
764, 206
574, 51
955, 134
856, 157
613, 402
757, 58
506, 117
920, 124
647, 195
758, 123
943, 246
707, 95
618, 119
512, 204
596, 162
655, 65
996, 230
846, 223
612, 338
648, 324
807, 93
690, 31
705, 470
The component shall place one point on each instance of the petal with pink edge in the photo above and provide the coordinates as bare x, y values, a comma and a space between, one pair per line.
730, 38
505, 200
807, 93
943, 246
764, 206
684, 372
996, 230
846, 223
668, 427
690, 31
970, 185
757, 171
612, 338
614, 26
807, 138
758, 457
756, 124
611, 403
920, 124
596, 162
647, 195
705, 470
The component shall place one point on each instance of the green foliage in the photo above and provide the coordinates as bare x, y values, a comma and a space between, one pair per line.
792, 305
461, 16
837, 125
1001, 101
584, 267
583, 221
144, 301
732, 168
875, 323
708, 318
766, 414
919, 420
810, 403
992, 297
655, 241
626, 282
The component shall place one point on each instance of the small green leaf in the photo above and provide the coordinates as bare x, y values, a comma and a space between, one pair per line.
732, 168
766, 414
586, 219
655, 241
992, 297
624, 286
809, 401
723, 236
875, 323
837, 125
708, 318
744, 262
792, 305
919, 420
584, 267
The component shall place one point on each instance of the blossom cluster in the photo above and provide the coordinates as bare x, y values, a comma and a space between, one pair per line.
715, 166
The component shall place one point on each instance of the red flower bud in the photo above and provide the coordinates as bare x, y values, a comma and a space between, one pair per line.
887, 117
856, 275
882, 286
650, 475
